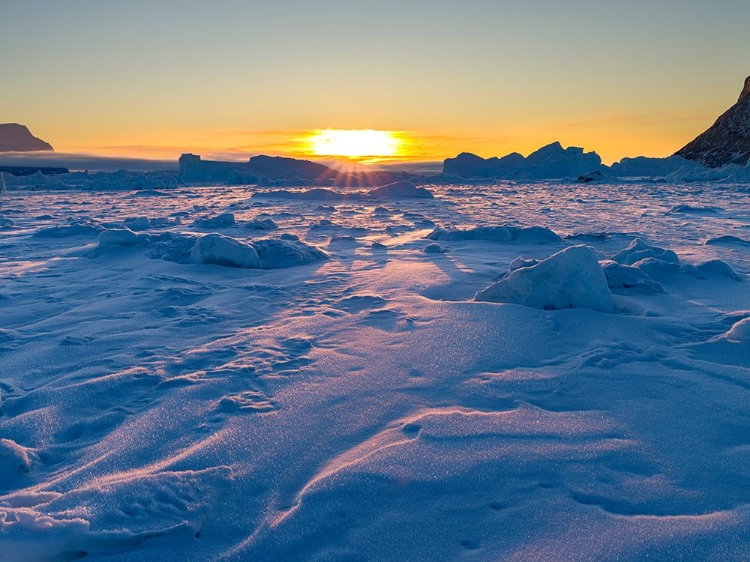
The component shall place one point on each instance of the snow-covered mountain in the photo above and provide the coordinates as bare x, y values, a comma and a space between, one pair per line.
18, 138
728, 140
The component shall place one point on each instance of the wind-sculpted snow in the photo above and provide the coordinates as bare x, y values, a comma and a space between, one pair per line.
571, 278
172, 389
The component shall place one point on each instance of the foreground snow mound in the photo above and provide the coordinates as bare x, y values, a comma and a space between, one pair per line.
571, 278
223, 250
536, 234
712, 268
400, 189
740, 332
276, 253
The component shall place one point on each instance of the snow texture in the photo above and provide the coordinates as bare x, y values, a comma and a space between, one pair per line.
171, 391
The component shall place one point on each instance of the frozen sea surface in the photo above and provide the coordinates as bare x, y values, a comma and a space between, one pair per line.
307, 383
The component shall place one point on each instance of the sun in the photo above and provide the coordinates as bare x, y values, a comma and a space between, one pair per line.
358, 144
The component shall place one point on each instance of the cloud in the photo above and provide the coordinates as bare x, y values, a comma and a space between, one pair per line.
77, 162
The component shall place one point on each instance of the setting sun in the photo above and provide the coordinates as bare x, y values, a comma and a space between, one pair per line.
353, 143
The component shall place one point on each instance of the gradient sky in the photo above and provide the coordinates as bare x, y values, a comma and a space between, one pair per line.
161, 77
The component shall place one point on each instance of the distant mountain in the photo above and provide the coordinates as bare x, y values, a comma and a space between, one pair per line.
728, 140
549, 162
18, 138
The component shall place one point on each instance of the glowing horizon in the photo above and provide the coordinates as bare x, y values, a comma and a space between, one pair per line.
612, 137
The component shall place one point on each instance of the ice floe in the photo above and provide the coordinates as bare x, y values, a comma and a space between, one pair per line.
571, 278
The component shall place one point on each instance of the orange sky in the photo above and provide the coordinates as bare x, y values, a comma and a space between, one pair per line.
232, 79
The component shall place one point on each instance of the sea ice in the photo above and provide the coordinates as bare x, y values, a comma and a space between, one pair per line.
620, 276
639, 250
571, 278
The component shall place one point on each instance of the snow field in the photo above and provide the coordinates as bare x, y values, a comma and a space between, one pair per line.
330, 390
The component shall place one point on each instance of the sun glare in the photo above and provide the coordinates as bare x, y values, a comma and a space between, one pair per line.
354, 143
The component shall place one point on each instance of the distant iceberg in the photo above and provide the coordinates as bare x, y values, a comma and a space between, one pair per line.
553, 162
549, 162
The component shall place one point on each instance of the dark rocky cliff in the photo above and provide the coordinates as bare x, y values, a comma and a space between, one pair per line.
728, 140
18, 138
